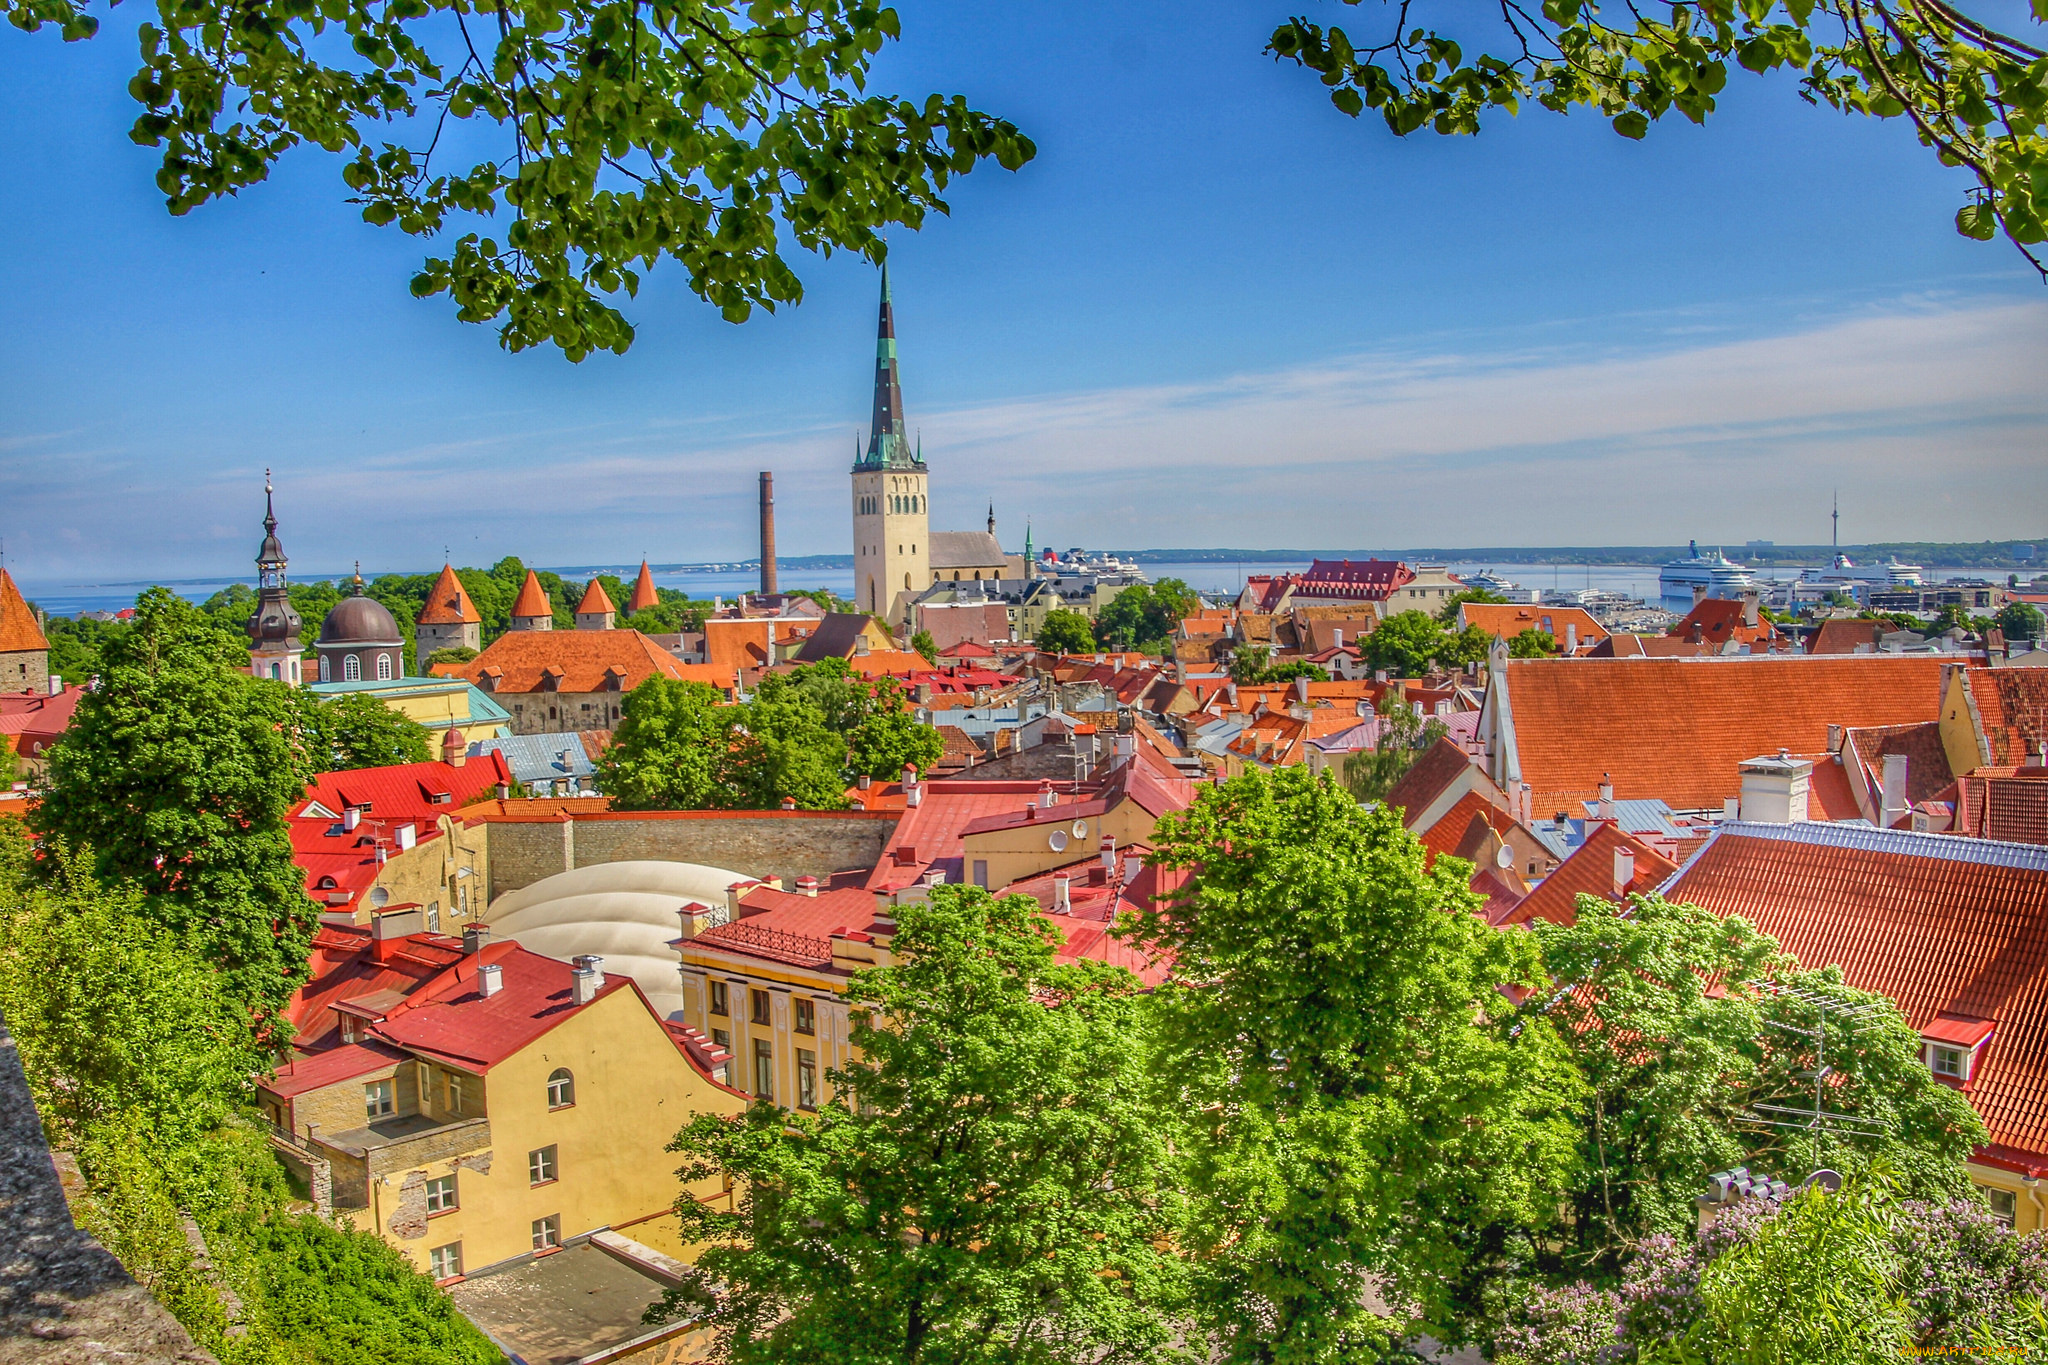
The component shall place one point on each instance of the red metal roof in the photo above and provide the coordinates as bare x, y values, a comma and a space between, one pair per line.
322, 1069
448, 1018
1951, 928
402, 794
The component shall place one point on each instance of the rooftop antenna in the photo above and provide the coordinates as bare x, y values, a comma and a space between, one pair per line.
1838, 521
1816, 1120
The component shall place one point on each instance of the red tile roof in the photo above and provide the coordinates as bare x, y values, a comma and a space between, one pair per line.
1679, 728
790, 927
403, 794
532, 599
1590, 871
595, 600
645, 594
448, 603
18, 627
1845, 637
1949, 927
1441, 764
1998, 806
1626, 646
1718, 620
2013, 705
1372, 580
1507, 620
344, 966
572, 660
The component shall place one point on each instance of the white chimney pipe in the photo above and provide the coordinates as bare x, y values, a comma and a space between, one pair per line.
489, 980
1571, 637
587, 978
56, 684
407, 837
1624, 870
1894, 789
350, 817
1133, 865
1109, 853
1337, 638
1062, 894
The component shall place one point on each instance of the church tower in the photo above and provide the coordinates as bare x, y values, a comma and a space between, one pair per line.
891, 519
275, 650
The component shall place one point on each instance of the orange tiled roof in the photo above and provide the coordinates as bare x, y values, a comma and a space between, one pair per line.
2012, 703
448, 603
1845, 637
644, 594
1678, 728
1717, 620
1948, 927
577, 660
1590, 871
18, 628
532, 599
1441, 764
1507, 620
595, 600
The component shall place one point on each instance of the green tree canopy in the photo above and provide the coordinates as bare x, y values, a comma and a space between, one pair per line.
1335, 1017
2019, 621
1972, 93
1371, 773
591, 144
357, 730
1066, 632
925, 645
1408, 642
1671, 1021
175, 776
986, 1183
1447, 614
1145, 615
669, 748
1532, 644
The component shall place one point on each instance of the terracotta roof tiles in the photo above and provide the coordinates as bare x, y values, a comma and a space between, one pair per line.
595, 600
19, 630
448, 602
577, 661
2013, 705
532, 599
644, 595
1590, 871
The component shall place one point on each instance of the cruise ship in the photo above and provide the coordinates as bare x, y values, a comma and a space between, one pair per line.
1718, 574
1846, 575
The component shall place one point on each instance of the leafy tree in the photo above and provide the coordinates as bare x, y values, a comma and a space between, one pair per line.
117, 1025
1145, 615
1335, 1019
783, 747
1371, 773
1253, 665
986, 1183
891, 739
1066, 632
454, 654
1671, 1025
176, 775
924, 644
1972, 93
10, 764
1532, 644
357, 730
1447, 614
668, 749
1406, 644
2019, 621
75, 645
711, 134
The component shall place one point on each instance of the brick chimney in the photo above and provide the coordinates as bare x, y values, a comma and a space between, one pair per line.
767, 533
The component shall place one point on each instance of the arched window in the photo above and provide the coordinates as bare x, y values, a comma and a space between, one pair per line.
323, 668
351, 668
383, 668
561, 1089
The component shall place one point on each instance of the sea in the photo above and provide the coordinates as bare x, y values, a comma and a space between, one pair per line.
1217, 578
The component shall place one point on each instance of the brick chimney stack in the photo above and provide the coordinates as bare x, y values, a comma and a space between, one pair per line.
767, 533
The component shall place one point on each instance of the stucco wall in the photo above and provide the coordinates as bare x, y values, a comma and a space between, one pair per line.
786, 844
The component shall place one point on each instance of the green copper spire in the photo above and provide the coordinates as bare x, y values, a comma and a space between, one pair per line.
888, 443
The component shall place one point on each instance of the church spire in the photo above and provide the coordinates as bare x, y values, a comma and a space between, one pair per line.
888, 443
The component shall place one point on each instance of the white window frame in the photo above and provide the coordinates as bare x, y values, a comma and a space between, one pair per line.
547, 1232
543, 1165
565, 1079
445, 1262
383, 667
351, 668
380, 1099
1939, 1053
806, 1079
442, 1195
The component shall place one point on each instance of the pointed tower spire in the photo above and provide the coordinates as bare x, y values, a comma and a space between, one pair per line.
991, 518
274, 645
888, 443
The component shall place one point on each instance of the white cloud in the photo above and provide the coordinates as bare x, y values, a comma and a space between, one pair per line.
1933, 422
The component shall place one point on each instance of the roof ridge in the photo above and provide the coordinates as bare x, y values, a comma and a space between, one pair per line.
1856, 834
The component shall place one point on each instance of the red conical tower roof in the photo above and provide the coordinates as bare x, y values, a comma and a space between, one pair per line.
595, 600
533, 598
644, 595
448, 604
18, 628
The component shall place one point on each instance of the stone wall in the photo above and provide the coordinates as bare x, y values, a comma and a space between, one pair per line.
786, 844
64, 1298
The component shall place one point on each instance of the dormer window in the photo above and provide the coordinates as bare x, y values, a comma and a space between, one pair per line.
1944, 1060
1953, 1046
325, 884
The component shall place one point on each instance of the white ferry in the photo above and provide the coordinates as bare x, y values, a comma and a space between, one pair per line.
1720, 575
1846, 575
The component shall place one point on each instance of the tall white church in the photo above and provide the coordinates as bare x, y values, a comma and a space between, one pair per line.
896, 555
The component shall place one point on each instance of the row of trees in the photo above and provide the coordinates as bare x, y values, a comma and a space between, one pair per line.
804, 735
1355, 1116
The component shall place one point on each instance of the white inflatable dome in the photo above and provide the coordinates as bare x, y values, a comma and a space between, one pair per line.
624, 912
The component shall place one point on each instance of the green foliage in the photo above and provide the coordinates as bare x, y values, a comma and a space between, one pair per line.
924, 644
602, 140
117, 1026
805, 734
1973, 94
1408, 642
986, 1183
1447, 614
1145, 615
454, 654
1335, 1019
357, 730
1066, 632
1532, 644
2019, 621
175, 775
1254, 664
1677, 1039
1371, 773
75, 644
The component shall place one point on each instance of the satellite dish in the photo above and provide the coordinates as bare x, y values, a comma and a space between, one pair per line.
1828, 1180
1504, 859
1080, 829
379, 897
1058, 840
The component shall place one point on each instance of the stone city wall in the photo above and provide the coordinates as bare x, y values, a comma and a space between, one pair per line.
786, 844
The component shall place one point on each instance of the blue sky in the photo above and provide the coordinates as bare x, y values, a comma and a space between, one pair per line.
1213, 311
